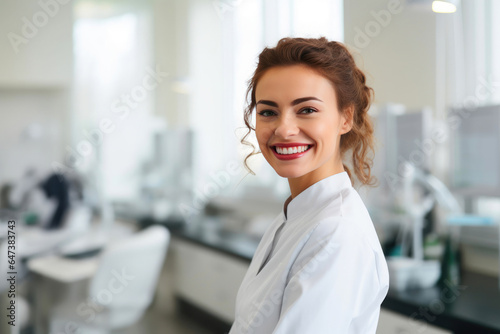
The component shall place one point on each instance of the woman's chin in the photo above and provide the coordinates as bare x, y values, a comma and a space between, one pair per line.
288, 173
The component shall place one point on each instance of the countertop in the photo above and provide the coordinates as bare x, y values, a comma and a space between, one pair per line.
471, 307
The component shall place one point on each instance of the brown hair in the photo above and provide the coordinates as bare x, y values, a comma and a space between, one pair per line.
332, 60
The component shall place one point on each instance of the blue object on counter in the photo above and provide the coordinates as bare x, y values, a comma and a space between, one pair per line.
396, 251
470, 220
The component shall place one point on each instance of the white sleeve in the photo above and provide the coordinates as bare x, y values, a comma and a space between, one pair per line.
333, 287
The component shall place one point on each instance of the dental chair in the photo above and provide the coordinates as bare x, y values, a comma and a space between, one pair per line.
122, 288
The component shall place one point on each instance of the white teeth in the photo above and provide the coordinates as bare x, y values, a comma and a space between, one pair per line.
291, 150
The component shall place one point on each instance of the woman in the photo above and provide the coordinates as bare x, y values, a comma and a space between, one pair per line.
319, 267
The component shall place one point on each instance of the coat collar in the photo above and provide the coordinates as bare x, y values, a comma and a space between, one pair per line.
317, 195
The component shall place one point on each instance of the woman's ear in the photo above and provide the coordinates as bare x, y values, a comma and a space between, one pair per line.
346, 120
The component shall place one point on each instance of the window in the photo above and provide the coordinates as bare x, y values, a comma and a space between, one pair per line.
112, 57
474, 51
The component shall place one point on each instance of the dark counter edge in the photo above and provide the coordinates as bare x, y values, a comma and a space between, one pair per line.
180, 230
444, 321
224, 250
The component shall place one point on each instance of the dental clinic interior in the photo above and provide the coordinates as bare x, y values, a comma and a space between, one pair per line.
125, 204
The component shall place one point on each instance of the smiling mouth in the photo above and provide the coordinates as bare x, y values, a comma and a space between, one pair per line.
291, 150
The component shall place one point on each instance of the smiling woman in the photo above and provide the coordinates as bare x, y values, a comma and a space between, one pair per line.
321, 67
285, 122
319, 267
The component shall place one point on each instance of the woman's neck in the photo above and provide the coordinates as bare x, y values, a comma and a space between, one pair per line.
299, 184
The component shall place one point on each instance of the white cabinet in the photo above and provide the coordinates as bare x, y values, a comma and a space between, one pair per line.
393, 323
36, 48
206, 278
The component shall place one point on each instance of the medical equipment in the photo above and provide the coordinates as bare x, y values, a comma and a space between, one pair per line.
417, 272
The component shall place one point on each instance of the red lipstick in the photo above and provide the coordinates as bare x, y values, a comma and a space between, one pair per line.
290, 144
290, 156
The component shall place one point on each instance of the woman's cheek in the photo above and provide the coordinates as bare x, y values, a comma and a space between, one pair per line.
262, 135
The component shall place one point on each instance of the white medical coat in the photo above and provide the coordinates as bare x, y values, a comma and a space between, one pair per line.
325, 274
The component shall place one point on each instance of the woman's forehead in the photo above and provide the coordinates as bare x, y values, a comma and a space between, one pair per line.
291, 82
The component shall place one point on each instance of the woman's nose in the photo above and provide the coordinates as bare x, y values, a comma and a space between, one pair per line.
286, 127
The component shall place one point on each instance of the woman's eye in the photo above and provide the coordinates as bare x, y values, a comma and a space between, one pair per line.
267, 113
307, 111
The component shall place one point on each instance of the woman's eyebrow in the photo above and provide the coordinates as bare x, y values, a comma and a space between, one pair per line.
304, 99
294, 102
269, 103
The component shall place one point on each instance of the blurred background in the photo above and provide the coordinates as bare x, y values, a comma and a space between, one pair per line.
125, 206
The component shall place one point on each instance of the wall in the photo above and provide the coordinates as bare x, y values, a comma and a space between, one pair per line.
32, 132
400, 57
36, 44
35, 85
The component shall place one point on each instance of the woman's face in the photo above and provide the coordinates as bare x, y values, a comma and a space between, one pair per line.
298, 124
